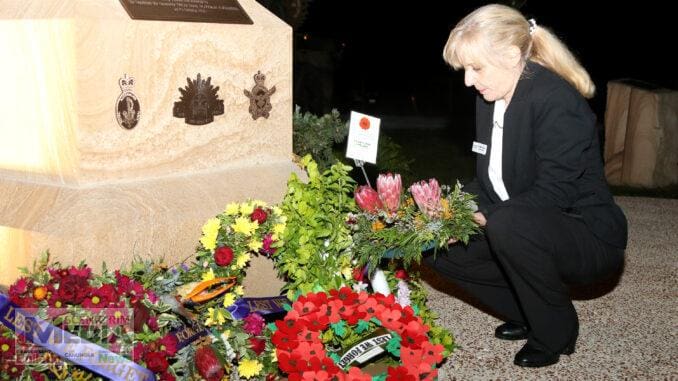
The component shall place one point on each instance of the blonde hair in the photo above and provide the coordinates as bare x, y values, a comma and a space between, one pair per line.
486, 35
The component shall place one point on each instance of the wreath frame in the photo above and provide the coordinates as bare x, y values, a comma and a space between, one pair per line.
300, 336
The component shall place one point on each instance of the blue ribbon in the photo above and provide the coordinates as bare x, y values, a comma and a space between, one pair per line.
263, 306
68, 346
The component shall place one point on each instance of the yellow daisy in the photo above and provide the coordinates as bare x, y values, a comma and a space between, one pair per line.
232, 209
229, 299
246, 208
277, 211
278, 229
245, 226
215, 317
260, 203
249, 368
210, 231
208, 275
239, 290
242, 260
255, 245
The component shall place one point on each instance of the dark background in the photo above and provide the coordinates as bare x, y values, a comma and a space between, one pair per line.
386, 57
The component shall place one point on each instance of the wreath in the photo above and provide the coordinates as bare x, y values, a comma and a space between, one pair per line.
213, 284
316, 338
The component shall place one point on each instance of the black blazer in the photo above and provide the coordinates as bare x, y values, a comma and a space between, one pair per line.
550, 155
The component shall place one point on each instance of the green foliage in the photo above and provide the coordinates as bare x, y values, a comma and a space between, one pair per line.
316, 254
315, 136
411, 231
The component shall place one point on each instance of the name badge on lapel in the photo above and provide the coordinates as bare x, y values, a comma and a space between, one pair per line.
479, 148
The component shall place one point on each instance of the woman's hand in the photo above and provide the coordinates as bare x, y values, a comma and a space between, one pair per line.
480, 219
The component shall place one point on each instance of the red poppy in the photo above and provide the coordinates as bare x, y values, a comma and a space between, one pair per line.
355, 374
291, 362
410, 356
364, 123
400, 374
304, 308
308, 350
318, 299
284, 341
431, 354
290, 327
319, 322
401, 274
346, 294
355, 317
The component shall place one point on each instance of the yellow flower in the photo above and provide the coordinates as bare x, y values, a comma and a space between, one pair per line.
246, 208
245, 226
232, 209
208, 275
276, 210
259, 203
278, 229
215, 317
255, 245
210, 231
249, 368
229, 299
226, 335
239, 290
347, 273
377, 225
242, 260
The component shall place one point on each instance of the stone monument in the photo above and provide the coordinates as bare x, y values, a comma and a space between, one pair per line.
120, 137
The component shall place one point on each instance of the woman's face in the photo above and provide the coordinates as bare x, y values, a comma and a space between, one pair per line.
493, 81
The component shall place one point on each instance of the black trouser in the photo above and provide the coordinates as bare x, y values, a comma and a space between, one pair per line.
521, 266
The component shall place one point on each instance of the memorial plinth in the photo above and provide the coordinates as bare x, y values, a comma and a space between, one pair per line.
77, 181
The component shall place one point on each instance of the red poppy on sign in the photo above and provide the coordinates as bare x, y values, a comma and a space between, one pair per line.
364, 123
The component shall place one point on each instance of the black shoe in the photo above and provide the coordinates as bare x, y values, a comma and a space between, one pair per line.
531, 357
511, 331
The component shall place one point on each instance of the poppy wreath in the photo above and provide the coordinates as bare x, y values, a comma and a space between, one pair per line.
318, 324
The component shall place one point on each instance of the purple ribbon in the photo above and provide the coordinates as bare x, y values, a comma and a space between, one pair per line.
68, 346
263, 306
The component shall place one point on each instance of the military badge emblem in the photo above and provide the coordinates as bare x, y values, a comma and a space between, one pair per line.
127, 108
260, 97
199, 102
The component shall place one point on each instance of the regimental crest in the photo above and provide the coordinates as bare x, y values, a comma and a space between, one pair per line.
127, 108
199, 102
260, 97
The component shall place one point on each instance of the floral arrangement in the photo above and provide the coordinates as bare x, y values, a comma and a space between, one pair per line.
317, 338
316, 255
391, 222
110, 310
211, 285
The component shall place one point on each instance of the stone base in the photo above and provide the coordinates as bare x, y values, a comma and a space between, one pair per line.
115, 222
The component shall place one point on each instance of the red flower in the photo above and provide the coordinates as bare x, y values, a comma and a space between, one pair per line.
355, 374
283, 341
208, 364
318, 299
167, 376
304, 307
223, 256
431, 354
13, 369
267, 242
258, 215
291, 362
319, 322
156, 362
308, 350
83, 272
400, 373
37, 376
258, 345
6, 348
345, 294
73, 289
169, 344
290, 327
152, 323
401, 274
138, 352
368, 199
254, 324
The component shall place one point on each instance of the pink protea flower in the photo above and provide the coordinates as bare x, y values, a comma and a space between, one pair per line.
368, 199
389, 188
427, 197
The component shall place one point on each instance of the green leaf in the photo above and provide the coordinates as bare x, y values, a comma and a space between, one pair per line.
362, 326
272, 327
393, 346
339, 328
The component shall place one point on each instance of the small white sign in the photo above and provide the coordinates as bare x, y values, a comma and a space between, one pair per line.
479, 148
363, 137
